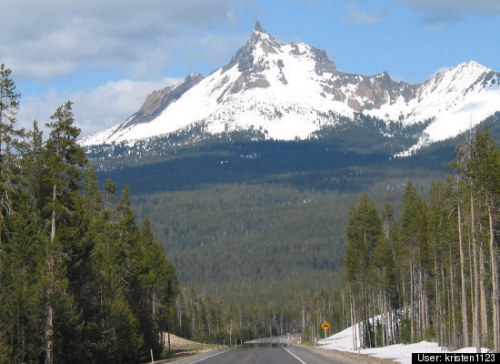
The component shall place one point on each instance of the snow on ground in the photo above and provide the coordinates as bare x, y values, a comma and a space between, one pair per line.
343, 341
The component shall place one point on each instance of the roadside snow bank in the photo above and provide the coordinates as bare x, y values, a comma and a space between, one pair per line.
343, 341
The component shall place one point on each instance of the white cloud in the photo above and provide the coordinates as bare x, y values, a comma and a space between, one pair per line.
358, 16
94, 110
46, 39
476, 6
439, 12
53, 42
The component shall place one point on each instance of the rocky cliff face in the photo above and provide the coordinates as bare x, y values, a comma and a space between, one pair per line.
159, 100
291, 90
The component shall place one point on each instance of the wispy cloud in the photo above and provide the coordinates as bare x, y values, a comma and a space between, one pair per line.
439, 12
477, 6
354, 14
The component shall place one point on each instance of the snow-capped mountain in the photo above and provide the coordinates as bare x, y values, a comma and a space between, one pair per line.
291, 90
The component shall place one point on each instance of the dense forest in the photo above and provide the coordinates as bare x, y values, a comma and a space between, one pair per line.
434, 274
80, 281
257, 235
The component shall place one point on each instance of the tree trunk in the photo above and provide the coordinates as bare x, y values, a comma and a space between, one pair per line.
49, 322
421, 311
53, 218
445, 313
465, 321
353, 323
49, 330
475, 323
383, 318
425, 302
482, 297
367, 318
304, 319
494, 278
452, 295
438, 325
412, 305
373, 310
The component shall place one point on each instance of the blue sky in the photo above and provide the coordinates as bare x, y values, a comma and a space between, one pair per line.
106, 56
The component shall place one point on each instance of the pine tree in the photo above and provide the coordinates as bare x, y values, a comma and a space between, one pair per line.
458, 202
112, 326
364, 234
442, 236
415, 241
133, 270
483, 169
387, 277
21, 293
79, 281
9, 142
162, 282
64, 160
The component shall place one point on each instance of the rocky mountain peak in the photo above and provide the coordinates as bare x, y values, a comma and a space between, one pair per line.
260, 41
290, 90
262, 51
158, 100
323, 64
258, 28
260, 34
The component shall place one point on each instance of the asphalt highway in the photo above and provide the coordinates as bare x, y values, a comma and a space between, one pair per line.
265, 354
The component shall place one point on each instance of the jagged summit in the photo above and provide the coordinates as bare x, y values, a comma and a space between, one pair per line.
259, 33
258, 28
291, 90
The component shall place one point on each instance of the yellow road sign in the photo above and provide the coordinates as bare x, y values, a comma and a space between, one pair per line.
325, 326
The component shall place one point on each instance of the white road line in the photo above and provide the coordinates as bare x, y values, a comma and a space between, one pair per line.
295, 356
211, 356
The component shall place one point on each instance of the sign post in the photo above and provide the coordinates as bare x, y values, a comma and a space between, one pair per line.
325, 326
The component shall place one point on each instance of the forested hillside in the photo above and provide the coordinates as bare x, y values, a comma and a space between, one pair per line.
257, 228
262, 240
80, 281
255, 235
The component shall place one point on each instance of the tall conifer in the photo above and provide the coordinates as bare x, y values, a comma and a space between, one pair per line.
64, 161
483, 169
9, 142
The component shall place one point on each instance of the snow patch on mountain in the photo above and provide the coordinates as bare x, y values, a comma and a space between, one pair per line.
291, 90
457, 100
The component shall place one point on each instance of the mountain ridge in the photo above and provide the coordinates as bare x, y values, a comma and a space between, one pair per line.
291, 90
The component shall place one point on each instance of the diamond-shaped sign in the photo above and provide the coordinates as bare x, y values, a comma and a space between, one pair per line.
325, 326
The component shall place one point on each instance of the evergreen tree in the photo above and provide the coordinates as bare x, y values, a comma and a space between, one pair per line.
386, 284
79, 281
391, 235
414, 237
117, 337
483, 170
364, 234
21, 293
161, 283
9, 142
443, 250
64, 160
133, 270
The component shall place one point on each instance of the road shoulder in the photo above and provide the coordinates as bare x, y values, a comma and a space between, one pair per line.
345, 357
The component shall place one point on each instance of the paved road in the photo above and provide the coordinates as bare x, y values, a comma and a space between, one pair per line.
264, 354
